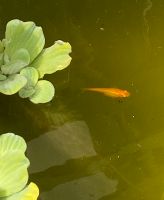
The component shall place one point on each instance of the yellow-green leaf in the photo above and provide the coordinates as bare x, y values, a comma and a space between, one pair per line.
53, 58
44, 92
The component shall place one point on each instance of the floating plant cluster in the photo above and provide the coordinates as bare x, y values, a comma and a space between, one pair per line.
13, 170
24, 61
23, 64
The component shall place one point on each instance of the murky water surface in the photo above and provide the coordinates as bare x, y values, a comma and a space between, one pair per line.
83, 145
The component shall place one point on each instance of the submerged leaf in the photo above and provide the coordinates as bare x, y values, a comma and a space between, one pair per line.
12, 84
13, 167
24, 35
53, 58
44, 92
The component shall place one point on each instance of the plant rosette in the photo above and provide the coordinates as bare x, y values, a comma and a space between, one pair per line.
13, 170
24, 62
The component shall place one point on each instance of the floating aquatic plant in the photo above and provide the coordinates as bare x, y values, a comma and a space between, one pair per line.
24, 62
13, 170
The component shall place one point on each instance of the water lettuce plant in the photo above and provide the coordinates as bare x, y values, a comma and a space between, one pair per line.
13, 170
24, 61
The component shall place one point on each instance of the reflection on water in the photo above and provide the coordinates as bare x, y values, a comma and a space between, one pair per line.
84, 145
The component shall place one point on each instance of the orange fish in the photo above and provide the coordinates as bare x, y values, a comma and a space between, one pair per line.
110, 92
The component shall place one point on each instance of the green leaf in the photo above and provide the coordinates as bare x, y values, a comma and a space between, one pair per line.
53, 58
11, 142
2, 77
26, 92
12, 84
19, 60
1, 58
23, 35
1, 47
13, 167
1, 52
44, 92
31, 74
31, 192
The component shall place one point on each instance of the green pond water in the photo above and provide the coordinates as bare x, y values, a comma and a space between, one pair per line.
83, 145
